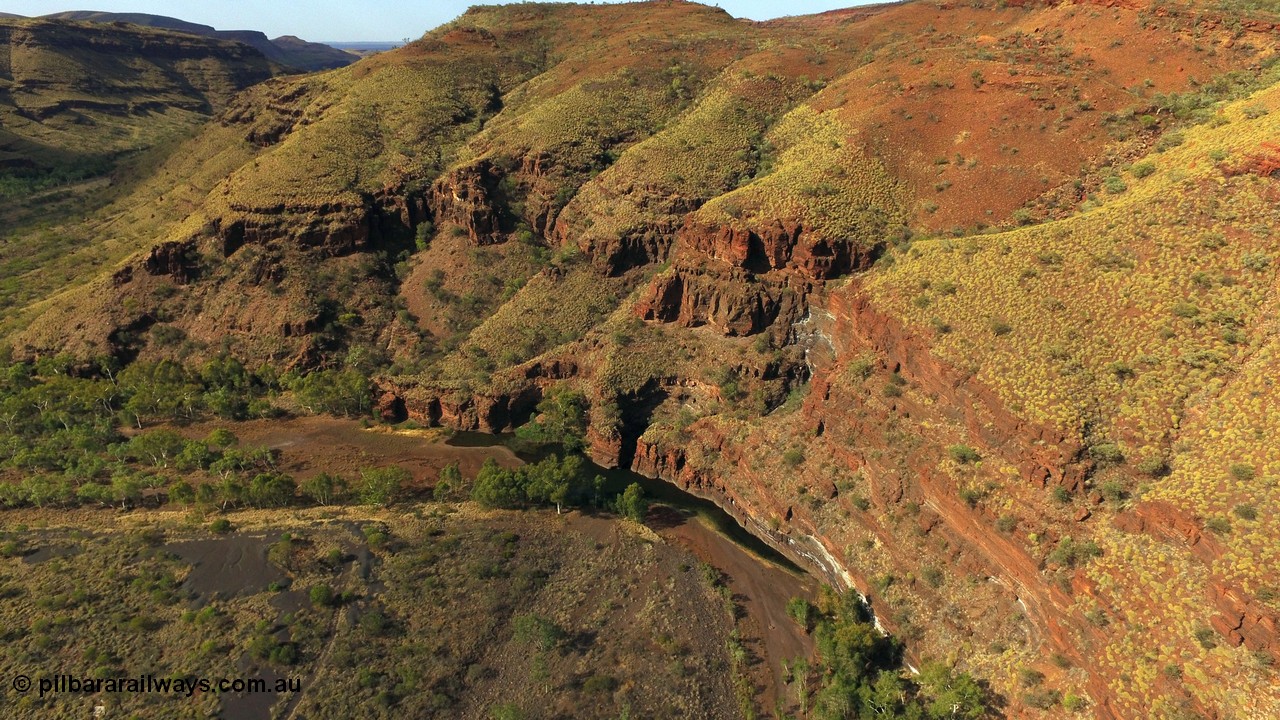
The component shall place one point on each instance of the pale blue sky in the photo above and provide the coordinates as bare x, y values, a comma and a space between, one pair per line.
349, 20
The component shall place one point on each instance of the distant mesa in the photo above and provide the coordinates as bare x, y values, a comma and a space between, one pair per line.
287, 50
364, 48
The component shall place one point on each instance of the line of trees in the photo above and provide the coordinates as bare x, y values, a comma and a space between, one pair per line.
65, 429
553, 481
63, 425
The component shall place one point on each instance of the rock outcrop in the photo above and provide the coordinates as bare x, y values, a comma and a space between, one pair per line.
177, 260
729, 300
778, 245
469, 198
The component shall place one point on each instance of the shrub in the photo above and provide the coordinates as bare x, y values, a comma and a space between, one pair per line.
537, 630
932, 576
1106, 453
1169, 141
861, 368
1042, 699
1142, 169
1246, 512
600, 684
793, 457
1206, 637
221, 526
801, 611
963, 454
1256, 261
1121, 370
1030, 677
1218, 524
1113, 490
1153, 465
1242, 472
1070, 553
321, 595
374, 622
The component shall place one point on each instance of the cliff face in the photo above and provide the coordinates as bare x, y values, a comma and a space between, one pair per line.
744, 282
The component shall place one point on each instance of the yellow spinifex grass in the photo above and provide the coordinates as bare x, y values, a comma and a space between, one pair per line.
822, 177
1151, 321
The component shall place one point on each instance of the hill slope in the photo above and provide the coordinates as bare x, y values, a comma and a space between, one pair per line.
85, 109
969, 307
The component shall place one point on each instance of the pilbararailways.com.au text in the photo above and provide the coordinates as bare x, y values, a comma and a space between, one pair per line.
187, 686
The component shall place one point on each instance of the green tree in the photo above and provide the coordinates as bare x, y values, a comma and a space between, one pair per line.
801, 611
381, 486
497, 487
886, 697
553, 480
230, 492
448, 482
323, 488
158, 447
181, 492
337, 392
951, 695
562, 420
222, 438
159, 391
195, 455
632, 503
94, 493
271, 489
126, 489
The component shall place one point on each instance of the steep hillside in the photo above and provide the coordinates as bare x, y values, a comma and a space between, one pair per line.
971, 308
85, 111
